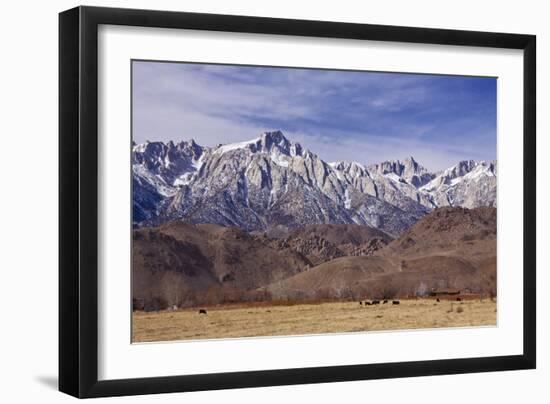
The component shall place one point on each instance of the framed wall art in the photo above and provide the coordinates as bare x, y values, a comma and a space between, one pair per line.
250, 201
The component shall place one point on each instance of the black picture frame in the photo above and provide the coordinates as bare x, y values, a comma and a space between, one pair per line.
78, 201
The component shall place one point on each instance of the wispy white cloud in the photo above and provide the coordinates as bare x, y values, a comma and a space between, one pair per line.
369, 149
338, 115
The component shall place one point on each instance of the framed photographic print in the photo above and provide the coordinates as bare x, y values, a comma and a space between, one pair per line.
250, 201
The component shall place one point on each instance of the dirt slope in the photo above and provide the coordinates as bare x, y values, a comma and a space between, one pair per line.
451, 248
181, 263
178, 263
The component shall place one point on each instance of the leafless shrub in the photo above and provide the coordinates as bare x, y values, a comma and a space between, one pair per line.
422, 290
386, 291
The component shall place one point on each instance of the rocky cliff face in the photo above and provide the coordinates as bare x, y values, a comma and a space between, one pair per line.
468, 184
272, 183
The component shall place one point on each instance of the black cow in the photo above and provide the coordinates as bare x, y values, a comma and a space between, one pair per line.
437, 300
395, 302
202, 311
368, 303
385, 301
458, 299
376, 302
360, 303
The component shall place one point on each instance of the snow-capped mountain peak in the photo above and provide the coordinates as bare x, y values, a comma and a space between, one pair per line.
468, 184
165, 163
466, 169
266, 143
271, 181
408, 170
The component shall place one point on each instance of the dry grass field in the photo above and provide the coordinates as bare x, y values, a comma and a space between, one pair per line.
269, 320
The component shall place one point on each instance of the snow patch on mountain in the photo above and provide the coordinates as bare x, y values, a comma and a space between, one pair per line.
235, 146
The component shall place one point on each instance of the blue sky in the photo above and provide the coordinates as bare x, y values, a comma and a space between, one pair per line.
340, 115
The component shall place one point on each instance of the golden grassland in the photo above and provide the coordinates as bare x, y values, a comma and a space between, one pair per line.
232, 321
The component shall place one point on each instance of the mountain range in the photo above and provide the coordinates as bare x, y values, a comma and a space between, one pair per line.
270, 184
184, 264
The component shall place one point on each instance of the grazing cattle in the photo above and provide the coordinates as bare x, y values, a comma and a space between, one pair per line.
385, 301
376, 302
437, 300
368, 303
395, 302
202, 311
458, 299
360, 303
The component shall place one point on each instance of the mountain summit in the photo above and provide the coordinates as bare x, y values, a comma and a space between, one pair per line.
268, 142
409, 170
271, 183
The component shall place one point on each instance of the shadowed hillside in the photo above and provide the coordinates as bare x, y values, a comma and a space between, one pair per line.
451, 248
184, 264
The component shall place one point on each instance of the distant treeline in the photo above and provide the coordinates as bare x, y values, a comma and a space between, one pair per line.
219, 295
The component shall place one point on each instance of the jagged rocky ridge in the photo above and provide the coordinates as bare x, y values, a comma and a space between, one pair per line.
272, 184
